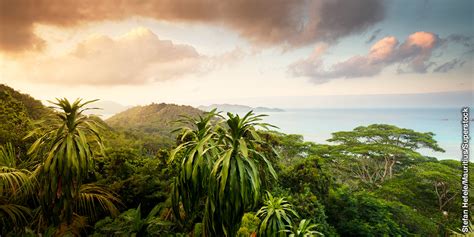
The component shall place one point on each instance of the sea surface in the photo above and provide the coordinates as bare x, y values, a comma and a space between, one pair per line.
317, 124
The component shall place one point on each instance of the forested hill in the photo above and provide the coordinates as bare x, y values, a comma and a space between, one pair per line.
151, 124
153, 118
34, 108
17, 110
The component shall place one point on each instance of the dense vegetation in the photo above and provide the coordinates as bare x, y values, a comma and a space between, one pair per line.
212, 174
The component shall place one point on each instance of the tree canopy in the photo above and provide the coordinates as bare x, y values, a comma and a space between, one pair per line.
216, 175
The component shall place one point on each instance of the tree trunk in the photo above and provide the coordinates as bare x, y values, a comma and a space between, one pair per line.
390, 169
386, 167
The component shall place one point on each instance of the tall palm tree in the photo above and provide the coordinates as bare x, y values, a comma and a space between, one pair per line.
276, 214
222, 164
67, 147
235, 182
197, 146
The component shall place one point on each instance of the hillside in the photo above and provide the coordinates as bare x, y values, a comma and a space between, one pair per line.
151, 119
34, 108
17, 111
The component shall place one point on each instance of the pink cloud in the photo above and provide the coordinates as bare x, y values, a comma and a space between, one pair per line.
417, 49
413, 55
383, 49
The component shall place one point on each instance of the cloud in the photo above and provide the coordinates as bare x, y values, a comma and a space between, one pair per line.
373, 36
450, 65
416, 50
263, 22
413, 55
466, 41
138, 57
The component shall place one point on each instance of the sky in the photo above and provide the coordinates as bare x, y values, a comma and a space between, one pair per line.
275, 53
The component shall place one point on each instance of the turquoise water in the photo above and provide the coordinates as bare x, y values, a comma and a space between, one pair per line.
317, 124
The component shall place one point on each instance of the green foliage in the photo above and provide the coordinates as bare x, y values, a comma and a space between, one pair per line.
288, 146
198, 155
307, 205
276, 214
93, 198
432, 189
361, 214
14, 184
438, 184
370, 182
303, 229
412, 219
13, 179
307, 173
249, 225
15, 122
151, 126
131, 223
235, 178
34, 108
68, 150
153, 117
377, 152
136, 178
460, 233
224, 163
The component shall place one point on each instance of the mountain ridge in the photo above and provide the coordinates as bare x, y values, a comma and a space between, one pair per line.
238, 108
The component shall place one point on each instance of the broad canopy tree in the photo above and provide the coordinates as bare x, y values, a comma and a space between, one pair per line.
374, 153
436, 183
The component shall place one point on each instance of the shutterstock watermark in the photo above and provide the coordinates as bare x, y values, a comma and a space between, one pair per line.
465, 169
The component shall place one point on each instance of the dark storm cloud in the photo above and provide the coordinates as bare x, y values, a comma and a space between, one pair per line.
262, 22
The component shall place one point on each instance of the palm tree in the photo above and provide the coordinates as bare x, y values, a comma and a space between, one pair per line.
276, 214
68, 146
221, 164
198, 151
304, 229
235, 182
14, 183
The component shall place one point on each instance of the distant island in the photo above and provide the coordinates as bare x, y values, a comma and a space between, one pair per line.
238, 108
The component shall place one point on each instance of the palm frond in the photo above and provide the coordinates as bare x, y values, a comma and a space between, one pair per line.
14, 180
93, 198
13, 213
276, 214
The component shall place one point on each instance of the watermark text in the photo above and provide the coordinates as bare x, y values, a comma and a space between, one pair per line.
465, 170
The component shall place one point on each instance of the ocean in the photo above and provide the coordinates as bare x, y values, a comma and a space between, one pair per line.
317, 124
